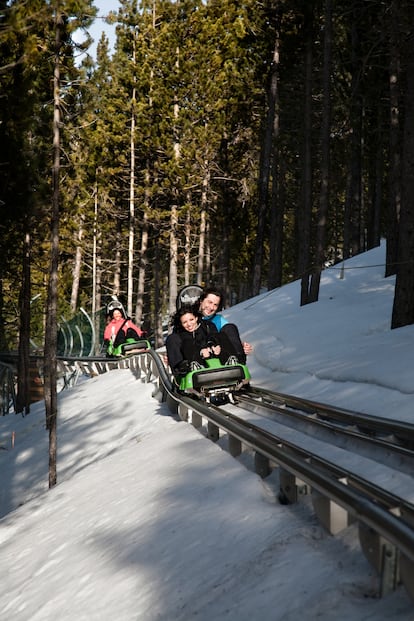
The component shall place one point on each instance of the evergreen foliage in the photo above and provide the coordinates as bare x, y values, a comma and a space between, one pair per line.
183, 99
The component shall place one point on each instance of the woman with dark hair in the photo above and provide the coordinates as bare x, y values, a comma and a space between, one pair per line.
193, 341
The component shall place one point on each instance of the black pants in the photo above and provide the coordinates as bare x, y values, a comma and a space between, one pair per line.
177, 353
232, 333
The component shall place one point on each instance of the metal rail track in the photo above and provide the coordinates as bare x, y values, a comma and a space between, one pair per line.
367, 424
339, 428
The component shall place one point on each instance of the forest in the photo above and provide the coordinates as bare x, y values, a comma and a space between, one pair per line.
242, 144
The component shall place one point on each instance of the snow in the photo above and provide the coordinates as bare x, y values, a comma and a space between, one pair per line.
152, 521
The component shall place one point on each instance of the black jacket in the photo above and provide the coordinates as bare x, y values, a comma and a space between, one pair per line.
192, 342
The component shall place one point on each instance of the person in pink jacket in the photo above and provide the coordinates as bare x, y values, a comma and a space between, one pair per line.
120, 328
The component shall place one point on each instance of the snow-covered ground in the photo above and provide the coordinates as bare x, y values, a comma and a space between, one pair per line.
151, 521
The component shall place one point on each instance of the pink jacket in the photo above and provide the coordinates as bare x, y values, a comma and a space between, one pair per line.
114, 326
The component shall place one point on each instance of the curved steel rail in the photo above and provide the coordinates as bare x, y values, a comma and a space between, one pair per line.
396, 447
376, 424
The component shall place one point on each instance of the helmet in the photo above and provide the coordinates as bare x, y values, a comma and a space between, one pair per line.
188, 295
115, 304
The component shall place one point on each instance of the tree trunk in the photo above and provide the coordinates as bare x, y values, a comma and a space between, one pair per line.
173, 288
117, 261
202, 230
187, 244
50, 353
403, 308
173, 260
96, 276
224, 265
23, 363
3, 341
226, 219
139, 307
95, 250
207, 268
158, 301
77, 269
325, 158
394, 204
143, 255
376, 175
274, 278
305, 211
278, 201
264, 170
131, 235
352, 219
97, 318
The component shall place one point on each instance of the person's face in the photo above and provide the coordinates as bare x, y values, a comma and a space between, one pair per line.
117, 314
210, 305
189, 322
